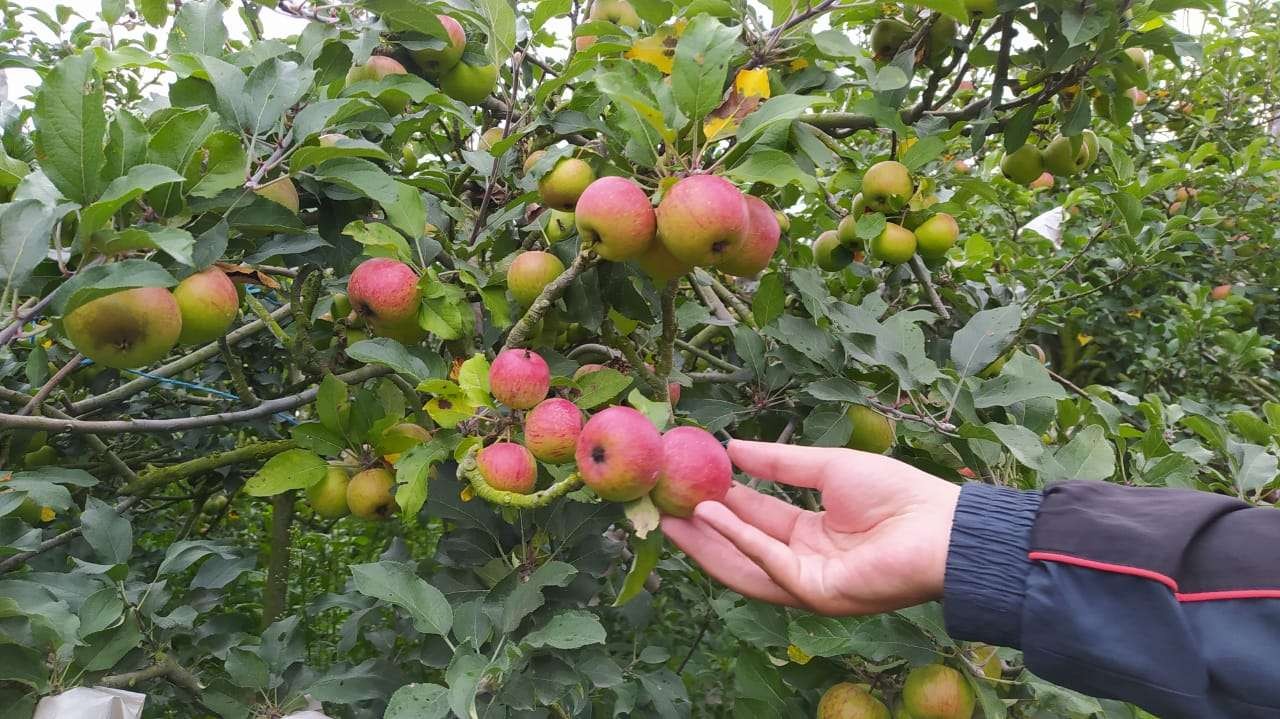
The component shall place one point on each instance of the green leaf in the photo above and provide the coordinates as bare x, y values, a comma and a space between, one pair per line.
1021, 379
600, 386
103, 650
174, 144
292, 469
174, 242
463, 677
769, 300
397, 584
345, 147
501, 21
221, 165
570, 629
121, 192
389, 353
645, 554
26, 227
780, 109
379, 240
401, 202
1252, 467
101, 610
954, 8
155, 12
701, 65
272, 88
526, 596
923, 151
109, 534
772, 167
1087, 456
984, 338
418, 701
413, 472
198, 28
333, 405
445, 311
324, 115
71, 126
758, 624
828, 426
24, 665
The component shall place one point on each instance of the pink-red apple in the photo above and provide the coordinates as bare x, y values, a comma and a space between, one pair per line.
761, 241
702, 220
384, 292
208, 302
508, 466
519, 378
695, 468
614, 218
619, 454
551, 430
436, 61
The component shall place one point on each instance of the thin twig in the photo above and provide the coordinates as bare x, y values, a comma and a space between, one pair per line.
40, 396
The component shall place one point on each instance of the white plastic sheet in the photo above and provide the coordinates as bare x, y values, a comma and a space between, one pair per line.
91, 703
314, 710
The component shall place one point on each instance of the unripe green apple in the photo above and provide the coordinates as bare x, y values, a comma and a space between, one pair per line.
1090, 140
126, 329
661, 265
703, 219
760, 243
872, 431
941, 35
328, 497
618, 12
489, 138
614, 218
401, 438
850, 701
936, 691
1060, 158
887, 36
378, 67
281, 191
369, 494
208, 303
40, 457
887, 186
1023, 165
469, 84
830, 254
341, 306
530, 272
434, 61
936, 235
559, 225
895, 244
847, 231
564, 184
784, 222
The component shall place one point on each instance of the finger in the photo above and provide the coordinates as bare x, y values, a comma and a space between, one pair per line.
774, 557
720, 559
772, 515
788, 463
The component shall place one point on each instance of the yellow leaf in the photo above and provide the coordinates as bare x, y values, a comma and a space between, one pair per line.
1134, 313
46, 343
798, 64
467, 494
658, 49
47, 514
753, 83
796, 655
714, 125
1083, 339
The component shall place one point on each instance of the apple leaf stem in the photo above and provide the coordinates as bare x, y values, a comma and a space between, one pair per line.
469, 470
44, 392
181, 364
253, 452
710, 358
926, 282
709, 298
522, 331
180, 424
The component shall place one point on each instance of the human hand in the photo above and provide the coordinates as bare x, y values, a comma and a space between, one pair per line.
880, 544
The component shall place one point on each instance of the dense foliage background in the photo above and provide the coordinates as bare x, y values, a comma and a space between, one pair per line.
1134, 306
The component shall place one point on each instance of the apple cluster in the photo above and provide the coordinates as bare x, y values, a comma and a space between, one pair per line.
887, 188
932, 691
369, 493
619, 453
1063, 156
139, 326
701, 221
440, 60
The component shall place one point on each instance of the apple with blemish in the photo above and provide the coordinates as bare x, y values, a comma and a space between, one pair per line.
619, 453
126, 329
384, 293
703, 220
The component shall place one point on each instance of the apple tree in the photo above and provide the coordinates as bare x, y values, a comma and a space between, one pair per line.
350, 352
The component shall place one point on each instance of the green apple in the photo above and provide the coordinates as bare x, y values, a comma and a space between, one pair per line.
378, 67
1064, 156
887, 186
887, 36
328, 497
281, 191
559, 225
469, 84
936, 235
126, 329
830, 254
564, 184
369, 494
895, 244
209, 303
1023, 165
872, 431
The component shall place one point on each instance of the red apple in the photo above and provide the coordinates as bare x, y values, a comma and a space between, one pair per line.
508, 466
519, 378
384, 292
615, 219
209, 303
551, 430
619, 453
761, 242
695, 468
702, 220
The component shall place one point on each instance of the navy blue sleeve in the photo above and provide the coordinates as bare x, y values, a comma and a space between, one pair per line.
1168, 599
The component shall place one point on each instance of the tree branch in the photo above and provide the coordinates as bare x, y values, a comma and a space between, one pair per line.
21, 558
166, 668
922, 276
49, 386
468, 470
266, 409
149, 481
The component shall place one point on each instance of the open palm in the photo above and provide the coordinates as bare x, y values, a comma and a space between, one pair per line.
879, 544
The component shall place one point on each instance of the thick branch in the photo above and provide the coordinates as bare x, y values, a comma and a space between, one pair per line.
94, 442
166, 668
275, 593
186, 362
266, 409
149, 481
523, 329
726, 294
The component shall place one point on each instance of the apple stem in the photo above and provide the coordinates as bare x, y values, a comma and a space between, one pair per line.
922, 276
522, 331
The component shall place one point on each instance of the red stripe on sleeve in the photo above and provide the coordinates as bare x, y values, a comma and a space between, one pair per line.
1155, 577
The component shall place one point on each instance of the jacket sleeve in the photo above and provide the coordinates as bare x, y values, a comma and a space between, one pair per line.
1169, 599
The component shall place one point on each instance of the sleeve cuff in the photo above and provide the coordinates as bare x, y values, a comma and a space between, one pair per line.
987, 564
